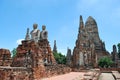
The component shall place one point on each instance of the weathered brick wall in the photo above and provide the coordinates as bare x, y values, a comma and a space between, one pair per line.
5, 57
47, 52
23, 73
38, 73
12, 73
57, 70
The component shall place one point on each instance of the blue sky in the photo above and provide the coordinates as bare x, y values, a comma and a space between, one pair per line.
61, 18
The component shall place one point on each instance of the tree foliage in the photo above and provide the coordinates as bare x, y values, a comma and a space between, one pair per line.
13, 52
60, 59
118, 49
105, 62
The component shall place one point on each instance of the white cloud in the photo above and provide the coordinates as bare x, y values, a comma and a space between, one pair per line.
19, 41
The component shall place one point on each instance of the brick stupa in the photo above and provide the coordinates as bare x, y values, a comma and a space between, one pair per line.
35, 52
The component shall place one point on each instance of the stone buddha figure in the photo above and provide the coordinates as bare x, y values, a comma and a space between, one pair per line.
44, 33
35, 33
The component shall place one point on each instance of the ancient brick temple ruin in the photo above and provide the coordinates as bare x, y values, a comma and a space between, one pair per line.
34, 58
89, 47
33, 52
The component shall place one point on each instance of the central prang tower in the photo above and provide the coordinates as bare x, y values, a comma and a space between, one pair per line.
89, 47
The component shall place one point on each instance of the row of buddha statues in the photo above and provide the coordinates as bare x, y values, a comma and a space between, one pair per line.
36, 34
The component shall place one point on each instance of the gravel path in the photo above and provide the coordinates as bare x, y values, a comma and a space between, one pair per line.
69, 76
106, 76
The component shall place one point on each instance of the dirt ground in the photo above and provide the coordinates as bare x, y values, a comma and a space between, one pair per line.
69, 76
79, 76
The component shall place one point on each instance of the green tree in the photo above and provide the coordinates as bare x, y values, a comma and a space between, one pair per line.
118, 49
60, 58
105, 62
13, 52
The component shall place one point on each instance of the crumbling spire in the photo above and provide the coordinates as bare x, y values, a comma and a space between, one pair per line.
81, 24
27, 37
69, 57
55, 47
114, 53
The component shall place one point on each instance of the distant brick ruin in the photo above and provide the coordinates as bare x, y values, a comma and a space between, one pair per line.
55, 47
115, 58
69, 57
